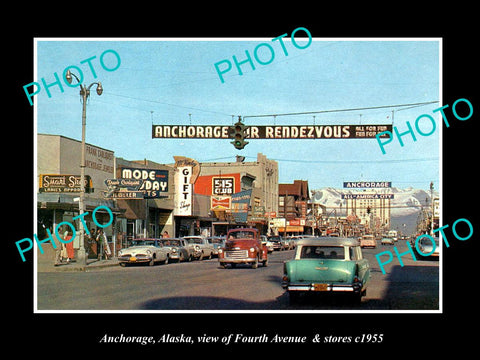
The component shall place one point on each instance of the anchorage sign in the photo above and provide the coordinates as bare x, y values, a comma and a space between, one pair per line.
271, 132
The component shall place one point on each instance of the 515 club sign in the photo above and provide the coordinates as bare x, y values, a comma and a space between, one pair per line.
223, 185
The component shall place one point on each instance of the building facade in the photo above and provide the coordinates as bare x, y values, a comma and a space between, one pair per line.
185, 198
253, 187
293, 200
58, 184
372, 207
151, 215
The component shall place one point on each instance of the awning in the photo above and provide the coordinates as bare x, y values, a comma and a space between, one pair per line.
66, 202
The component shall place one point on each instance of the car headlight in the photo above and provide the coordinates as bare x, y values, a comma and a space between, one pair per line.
220, 251
252, 249
148, 252
174, 250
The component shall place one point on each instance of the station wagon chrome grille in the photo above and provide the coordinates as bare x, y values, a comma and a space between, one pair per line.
236, 254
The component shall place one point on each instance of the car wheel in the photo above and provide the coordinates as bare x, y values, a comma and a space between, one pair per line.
166, 260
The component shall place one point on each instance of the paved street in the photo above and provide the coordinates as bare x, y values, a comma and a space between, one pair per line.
203, 285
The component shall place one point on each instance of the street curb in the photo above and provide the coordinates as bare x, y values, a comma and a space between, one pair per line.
74, 267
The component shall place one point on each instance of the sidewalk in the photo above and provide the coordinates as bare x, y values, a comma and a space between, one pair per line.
45, 262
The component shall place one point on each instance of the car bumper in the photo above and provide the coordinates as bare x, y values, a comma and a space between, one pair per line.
237, 260
134, 259
321, 287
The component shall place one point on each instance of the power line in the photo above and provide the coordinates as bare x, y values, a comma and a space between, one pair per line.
169, 104
354, 161
343, 110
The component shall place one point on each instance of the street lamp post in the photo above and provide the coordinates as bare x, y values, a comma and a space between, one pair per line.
84, 93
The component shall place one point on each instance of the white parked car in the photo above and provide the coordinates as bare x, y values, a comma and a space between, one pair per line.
180, 250
144, 251
202, 248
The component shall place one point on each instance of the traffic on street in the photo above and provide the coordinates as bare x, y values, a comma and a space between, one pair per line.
206, 285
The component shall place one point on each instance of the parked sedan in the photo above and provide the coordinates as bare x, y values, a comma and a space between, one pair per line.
202, 248
217, 242
147, 251
179, 249
327, 265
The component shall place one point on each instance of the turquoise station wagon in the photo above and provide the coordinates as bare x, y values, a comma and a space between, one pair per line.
327, 265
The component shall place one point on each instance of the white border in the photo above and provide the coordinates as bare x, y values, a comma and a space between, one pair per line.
357, 311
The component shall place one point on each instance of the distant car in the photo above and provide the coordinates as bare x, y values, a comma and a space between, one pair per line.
292, 241
267, 243
327, 265
202, 248
387, 240
147, 251
425, 246
217, 242
276, 242
179, 249
368, 241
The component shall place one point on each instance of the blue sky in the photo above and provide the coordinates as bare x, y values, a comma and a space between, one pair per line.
174, 81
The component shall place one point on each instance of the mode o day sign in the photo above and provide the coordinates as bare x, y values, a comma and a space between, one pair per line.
155, 182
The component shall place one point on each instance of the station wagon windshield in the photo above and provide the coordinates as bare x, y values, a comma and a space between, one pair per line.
323, 252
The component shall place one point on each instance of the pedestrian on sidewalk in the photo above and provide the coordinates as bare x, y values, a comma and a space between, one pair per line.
100, 244
69, 246
106, 246
58, 248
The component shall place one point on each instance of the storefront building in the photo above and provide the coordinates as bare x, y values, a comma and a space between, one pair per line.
150, 214
241, 193
58, 179
293, 199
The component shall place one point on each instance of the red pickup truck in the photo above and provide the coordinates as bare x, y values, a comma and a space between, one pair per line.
243, 246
